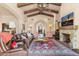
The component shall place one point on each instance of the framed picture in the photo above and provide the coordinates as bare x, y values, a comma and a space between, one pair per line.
68, 20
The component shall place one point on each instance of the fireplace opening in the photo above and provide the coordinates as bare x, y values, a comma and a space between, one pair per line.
66, 38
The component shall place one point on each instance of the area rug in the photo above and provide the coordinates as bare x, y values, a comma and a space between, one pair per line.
57, 49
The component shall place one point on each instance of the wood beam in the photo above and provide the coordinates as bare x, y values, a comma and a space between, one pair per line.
57, 4
42, 13
37, 9
33, 14
23, 4
30, 11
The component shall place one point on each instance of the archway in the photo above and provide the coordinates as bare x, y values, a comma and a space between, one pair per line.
17, 15
7, 18
40, 26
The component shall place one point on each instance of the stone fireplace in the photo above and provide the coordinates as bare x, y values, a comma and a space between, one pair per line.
66, 38
69, 38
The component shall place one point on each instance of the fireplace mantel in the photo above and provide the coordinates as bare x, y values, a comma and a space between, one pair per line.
73, 37
69, 28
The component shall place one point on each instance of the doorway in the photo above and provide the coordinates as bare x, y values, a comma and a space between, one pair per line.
40, 28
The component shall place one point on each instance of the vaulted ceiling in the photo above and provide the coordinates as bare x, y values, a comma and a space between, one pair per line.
32, 9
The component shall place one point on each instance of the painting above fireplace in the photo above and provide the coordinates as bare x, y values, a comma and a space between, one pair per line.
67, 20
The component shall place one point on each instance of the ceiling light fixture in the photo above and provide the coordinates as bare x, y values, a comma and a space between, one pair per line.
42, 6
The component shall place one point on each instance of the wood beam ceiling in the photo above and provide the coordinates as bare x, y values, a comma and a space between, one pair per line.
42, 13
57, 4
36, 9
24, 4
27, 4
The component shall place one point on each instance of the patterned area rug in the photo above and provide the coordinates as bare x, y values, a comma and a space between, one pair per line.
46, 49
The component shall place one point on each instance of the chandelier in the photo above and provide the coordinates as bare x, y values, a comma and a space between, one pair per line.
42, 6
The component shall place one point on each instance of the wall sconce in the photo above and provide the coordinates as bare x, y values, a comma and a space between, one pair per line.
50, 25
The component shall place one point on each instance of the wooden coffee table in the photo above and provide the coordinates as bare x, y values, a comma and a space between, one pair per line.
41, 40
